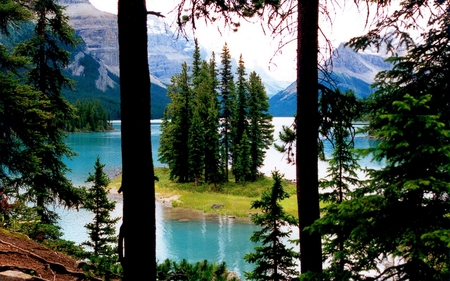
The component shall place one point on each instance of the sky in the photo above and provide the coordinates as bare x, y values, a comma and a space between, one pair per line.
259, 49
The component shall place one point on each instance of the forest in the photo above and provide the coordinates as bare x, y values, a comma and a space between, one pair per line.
392, 224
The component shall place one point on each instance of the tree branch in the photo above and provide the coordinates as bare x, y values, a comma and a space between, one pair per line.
158, 14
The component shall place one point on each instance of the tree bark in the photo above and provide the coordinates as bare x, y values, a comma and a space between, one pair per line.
307, 134
138, 236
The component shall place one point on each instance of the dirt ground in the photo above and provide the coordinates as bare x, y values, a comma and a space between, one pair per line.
19, 253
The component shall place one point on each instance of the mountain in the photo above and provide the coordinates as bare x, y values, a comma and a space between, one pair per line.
95, 65
351, 71
166, 52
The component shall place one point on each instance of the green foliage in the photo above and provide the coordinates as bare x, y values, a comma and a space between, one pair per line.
174, 149
397, 225
47, 181
200, 271
202, 129
260, 129
274, 259
242, 162
227, 105
90, 116
103, 252
340, 110
11, 13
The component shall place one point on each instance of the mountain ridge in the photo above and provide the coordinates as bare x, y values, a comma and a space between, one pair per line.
350, 71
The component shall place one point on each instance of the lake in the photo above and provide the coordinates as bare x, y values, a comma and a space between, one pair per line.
205, 237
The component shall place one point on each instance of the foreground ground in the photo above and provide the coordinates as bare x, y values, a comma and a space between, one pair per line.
19, 253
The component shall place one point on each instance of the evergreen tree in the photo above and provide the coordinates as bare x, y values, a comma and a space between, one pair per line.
196, 145
175, 151
338, 111
274, 260
239, 121
48, 58
242, 165
102, 229
214, 171
196, 62
90, 116
227, 100
197, 104
12, 12
260, 124
207, 106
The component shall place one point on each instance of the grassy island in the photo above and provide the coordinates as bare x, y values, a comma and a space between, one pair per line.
231, 199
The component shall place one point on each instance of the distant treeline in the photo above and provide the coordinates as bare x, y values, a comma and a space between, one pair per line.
90, 117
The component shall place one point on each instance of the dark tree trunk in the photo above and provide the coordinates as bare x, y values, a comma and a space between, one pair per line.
307, 134
138, 236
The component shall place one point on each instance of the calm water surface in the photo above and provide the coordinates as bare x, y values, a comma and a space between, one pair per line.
195, 237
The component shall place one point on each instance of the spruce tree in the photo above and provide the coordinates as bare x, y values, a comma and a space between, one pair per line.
274, 260
102, 229
213, 171
207, 105
239, 122
338, 111
260, 131
102, 245
48, 184
242, 164
12, 13
196, 145
175, 137
227, 102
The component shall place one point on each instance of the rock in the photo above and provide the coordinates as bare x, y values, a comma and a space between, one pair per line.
217, 206
12, 275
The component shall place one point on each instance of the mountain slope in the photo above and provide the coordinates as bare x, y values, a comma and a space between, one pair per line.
95, 66
351, 71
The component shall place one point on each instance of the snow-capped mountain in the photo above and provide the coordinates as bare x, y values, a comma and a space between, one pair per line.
351, 71
166, 51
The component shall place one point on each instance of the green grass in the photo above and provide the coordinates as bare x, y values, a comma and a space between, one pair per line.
236, 198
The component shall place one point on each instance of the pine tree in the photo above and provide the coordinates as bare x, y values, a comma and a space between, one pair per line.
214, 171
239, 122
274, 259
102, 229
227, 100
207, 106
338, 112
45, 49
260, 131
12, 12
196, 62
175, 137
196, 145
242, 165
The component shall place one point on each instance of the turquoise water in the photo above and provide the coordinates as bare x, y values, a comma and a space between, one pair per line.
217, 239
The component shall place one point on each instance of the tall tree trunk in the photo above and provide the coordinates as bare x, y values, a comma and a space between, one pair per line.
307, 134
138, 236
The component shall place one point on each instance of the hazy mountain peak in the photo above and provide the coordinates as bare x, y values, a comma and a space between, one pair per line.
350, 71
358, 64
